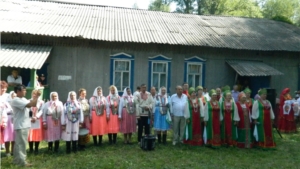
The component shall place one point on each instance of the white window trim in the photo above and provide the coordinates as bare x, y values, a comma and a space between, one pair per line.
201, 74
129, 71
167, 75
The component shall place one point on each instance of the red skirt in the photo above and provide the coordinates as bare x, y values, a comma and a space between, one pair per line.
36, 134
99, 124
113, 124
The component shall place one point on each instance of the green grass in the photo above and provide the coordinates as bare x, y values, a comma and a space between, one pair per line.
120, 156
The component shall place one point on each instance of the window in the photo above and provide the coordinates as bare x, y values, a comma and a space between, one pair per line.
121, 71
159, 72
194, 74
121, 74
194, 71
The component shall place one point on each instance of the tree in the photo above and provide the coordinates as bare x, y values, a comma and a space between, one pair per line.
273, 8
135, 6
160, 5
246, 8
185, 6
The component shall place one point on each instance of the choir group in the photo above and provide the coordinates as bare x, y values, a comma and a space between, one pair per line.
214, 119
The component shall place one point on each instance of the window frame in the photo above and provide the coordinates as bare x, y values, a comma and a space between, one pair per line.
166, 72
122, 57
160, 59
114, 72
195, 60
201, 73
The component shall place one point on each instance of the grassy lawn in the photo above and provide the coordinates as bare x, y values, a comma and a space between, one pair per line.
287, 155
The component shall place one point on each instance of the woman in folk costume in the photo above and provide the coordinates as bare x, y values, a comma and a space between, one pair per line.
193, 133
225, 88
36, 134
161, 108
86, 113
200, 95
98, 115
53, 111
249, 100
127, 115
212, 121
286, 120
245, 133
9, 133
3, 119
85, 108
263, 117
113, 100
231, 117
71, 121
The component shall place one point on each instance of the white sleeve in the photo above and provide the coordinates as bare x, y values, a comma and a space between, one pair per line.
45, 111
221, 114
186, 110
63, 116
255, 113
121, 107
171, 105
271, 112
40, 111
206, 117
81, 115
201, 108
107, 107
4, 118
236, 116
19, 103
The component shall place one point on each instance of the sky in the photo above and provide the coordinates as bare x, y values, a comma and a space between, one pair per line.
142, 4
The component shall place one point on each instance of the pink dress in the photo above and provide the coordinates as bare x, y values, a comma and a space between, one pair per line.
9, 132
98, 114
128, 122
3, 121
113, 123
37, 134
51, 116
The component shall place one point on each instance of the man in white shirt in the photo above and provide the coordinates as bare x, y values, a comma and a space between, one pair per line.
14, 78
206, 94
22, 123
179, 109
144, 106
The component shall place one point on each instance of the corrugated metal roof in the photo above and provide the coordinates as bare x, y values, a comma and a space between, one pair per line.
252, 68
116, 24
23, 56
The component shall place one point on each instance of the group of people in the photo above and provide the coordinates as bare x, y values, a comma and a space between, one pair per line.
218, 118
15, 79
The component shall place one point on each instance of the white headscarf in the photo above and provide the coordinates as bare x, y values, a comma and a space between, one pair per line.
165, 95
125, 92
51, 97
69, 98
96, 91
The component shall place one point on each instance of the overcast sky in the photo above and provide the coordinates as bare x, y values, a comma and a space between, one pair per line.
142, 4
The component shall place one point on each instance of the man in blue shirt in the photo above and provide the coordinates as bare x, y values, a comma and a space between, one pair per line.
235, 93
179, 109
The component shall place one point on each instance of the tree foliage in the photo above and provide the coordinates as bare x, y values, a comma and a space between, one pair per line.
160, 5
282, 10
